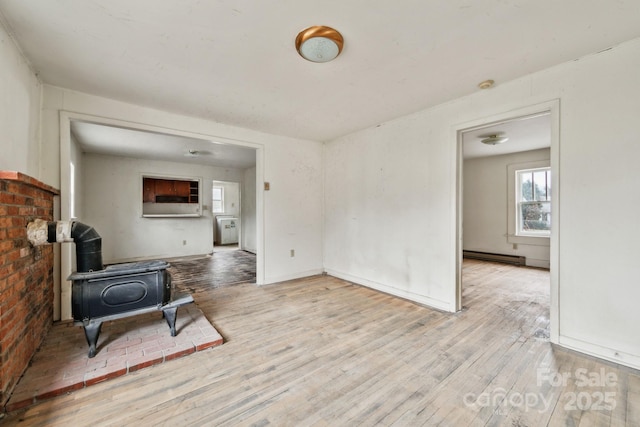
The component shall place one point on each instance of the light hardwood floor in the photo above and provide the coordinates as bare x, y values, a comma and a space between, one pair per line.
324, 352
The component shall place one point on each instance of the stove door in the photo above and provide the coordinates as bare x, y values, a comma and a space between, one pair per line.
118, 294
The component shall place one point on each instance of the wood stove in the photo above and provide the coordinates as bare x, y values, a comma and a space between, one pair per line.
101, 294
123, 290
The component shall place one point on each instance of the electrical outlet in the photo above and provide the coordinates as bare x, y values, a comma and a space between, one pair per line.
184, 242
293, 253
515, 246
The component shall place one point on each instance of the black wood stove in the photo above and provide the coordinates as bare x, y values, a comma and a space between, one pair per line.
101, 294
123, 290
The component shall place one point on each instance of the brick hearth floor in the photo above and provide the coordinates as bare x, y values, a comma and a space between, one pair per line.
125, 345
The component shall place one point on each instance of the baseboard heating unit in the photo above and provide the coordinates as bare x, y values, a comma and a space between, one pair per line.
486, 256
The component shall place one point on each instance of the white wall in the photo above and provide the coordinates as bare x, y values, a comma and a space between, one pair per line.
485, 207
112, 203
248, 195
20, 93
388, 210
391, 198
293, 210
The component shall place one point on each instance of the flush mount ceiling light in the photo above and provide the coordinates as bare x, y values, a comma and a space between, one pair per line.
192, 152
319, 43
494, 139
486, 84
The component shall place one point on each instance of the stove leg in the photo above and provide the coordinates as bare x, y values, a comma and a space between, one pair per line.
170, 315
91, 332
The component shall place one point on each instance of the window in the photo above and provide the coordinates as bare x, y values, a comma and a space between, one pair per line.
217, 203
533, 202
529, 203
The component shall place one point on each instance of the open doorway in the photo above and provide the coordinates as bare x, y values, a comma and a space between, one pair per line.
226, 210
506, 201
105, 188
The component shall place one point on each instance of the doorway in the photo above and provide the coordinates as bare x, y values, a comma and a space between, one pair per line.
487, 204
226, 210
193, 156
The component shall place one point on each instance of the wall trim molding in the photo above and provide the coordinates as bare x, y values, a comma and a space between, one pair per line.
601, 352
293, 276
413, 297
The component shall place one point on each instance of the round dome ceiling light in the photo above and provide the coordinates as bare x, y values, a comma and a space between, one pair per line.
319, 43
486, 84
494, 139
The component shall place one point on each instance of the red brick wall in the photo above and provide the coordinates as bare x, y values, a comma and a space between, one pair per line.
26, 276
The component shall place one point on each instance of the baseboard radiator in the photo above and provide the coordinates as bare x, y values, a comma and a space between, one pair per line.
486, 256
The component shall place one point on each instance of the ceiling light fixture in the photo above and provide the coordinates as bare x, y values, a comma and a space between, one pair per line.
486, 84
319, 43
494, 139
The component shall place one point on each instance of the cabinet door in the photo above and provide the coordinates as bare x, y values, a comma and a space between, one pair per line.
148, 190
181, 188
165, 187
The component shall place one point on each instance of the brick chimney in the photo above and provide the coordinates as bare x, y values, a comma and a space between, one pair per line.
26, 276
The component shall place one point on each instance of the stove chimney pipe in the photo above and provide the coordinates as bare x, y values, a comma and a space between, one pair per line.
88, 241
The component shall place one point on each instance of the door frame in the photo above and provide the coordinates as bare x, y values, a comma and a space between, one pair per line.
553, 108
239, 216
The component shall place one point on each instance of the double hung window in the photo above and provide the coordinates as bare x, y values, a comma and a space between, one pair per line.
217, 204
533, 196
529, 203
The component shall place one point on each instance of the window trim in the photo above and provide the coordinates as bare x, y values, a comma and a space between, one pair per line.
512, 205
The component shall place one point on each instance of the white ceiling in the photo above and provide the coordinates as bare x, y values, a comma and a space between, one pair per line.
234, 62
527, 133
100, 139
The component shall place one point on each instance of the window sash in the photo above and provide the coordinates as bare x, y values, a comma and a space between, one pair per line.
540, 224
539, 188
217, 200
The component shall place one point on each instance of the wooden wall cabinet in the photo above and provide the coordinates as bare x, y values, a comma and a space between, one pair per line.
170, 196
158, 190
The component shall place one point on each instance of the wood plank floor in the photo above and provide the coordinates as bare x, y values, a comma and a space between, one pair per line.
324, 352
223, 268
